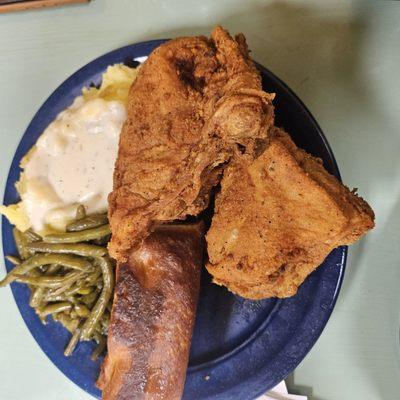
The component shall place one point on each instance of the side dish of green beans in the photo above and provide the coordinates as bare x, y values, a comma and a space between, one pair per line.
71, 277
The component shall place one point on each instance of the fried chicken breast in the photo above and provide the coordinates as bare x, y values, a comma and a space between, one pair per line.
193, 101
277, 218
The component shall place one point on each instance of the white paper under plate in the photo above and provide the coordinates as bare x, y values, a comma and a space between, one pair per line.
280, 392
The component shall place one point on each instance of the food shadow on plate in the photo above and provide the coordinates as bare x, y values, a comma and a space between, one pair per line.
224, 322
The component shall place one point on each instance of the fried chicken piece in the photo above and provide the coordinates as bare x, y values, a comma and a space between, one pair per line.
194, 100
277, 218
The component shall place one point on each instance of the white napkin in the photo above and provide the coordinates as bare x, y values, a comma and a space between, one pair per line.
280, 392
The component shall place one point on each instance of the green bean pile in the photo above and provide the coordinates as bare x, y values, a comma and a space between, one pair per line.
70, 277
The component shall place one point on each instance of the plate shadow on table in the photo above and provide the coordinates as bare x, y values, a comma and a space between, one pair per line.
302, 390
380, 339
309, 48
302, 45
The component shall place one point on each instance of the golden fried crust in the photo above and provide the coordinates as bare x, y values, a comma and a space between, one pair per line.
153, 317
194, 100
277, 218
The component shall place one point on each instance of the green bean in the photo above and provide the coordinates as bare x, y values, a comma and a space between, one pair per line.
73, 289
13, 260
48, 281
73, 342
105, 295
53, 269
34, 273
51, 297
81, 310
32, 236
89, 299
93, 278
79, 249
42, 319
78, 299
67, 284
97, 336
85, 290
37, 295
20, 242
56, 317
102, 241
80, 212
68, 322
48, 295
105, 321
62, 290
98, 351
45, 259
80, 236
106, 317
92, 221
55, 308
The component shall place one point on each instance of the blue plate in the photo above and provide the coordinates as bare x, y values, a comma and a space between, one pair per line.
240, 348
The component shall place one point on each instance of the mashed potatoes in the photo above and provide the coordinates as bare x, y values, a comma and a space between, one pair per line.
73, 160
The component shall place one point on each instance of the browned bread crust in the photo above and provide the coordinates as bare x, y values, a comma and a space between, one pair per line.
153, 316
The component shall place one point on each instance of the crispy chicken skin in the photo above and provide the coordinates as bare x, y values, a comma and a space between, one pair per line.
194, 100
277, 218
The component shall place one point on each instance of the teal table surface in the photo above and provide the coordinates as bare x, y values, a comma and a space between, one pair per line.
342, 58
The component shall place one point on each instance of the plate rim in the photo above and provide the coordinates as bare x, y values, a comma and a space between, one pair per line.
103, 60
